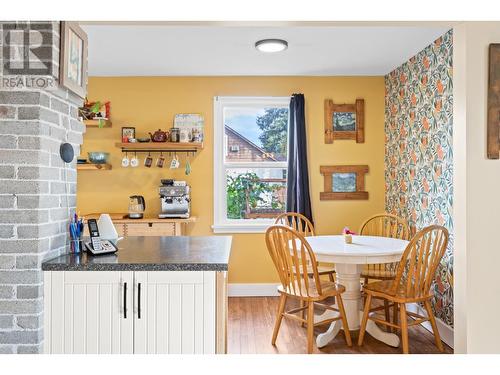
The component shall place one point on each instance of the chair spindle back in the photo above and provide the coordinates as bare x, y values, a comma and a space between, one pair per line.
385, 225
296, 221
292, 255
420, 260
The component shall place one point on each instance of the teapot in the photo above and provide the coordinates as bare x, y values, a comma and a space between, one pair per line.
159, 136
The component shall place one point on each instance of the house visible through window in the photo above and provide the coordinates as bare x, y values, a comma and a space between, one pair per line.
250, 172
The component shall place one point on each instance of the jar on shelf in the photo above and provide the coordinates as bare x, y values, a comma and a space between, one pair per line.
174, 135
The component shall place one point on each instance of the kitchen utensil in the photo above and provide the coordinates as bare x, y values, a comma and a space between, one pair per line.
159, 136
134, 162
125, 161
160, 161
174, 134
98, 157
148, 161
187, 170
175, 163
136, 207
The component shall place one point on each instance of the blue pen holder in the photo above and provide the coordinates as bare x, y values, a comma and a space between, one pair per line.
75, 246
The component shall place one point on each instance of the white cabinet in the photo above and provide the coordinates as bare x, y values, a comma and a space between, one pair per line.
134, 311
177, 312
88, 312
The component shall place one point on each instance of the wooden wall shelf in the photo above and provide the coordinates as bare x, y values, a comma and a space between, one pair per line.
93, 167
95, 123
160, 146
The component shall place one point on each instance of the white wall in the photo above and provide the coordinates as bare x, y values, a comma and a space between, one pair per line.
476, 200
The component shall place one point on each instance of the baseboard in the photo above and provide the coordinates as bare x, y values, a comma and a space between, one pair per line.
252, 290
445, 331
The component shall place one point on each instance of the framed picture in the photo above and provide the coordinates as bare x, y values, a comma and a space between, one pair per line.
73, 58
344, 121
128, 132
493, 122
342, 182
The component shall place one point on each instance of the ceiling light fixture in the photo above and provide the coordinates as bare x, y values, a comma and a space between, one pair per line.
271, 45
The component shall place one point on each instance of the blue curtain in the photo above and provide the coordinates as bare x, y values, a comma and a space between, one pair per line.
297, 194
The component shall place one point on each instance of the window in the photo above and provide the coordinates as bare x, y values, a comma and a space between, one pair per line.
250, 164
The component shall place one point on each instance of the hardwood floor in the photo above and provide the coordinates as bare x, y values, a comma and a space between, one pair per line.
251, 322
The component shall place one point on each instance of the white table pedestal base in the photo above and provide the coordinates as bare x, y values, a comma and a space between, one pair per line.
348, 275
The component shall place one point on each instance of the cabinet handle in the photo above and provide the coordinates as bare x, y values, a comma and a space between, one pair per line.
125, 300
139, 301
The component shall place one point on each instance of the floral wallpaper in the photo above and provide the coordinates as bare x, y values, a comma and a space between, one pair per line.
419, 153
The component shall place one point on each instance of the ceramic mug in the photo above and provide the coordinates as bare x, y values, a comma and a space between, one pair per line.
160, 161
125, 161
134, 162
174, 164
148, 161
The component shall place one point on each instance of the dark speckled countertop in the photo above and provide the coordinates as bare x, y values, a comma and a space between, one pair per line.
210, 253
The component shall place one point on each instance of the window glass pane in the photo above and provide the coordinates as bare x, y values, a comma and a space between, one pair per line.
255, 134
255, 193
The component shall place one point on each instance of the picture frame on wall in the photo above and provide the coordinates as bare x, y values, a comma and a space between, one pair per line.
344, 182
493, 118
345, 121
73, 58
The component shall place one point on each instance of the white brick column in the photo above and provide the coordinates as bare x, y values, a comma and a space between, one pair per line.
37, 195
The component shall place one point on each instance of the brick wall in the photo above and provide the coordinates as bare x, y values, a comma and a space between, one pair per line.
37, 196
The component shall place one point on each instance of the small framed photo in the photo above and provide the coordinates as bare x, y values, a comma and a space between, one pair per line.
128, 132
73, 58
344, 121
343, 182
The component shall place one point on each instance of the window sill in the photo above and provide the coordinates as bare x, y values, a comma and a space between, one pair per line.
242, 227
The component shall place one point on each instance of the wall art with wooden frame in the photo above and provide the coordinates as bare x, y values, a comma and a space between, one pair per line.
73, 58
343, 182
345, 121
493, 130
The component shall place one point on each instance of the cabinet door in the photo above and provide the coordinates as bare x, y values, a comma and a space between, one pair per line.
177, 312
89, 312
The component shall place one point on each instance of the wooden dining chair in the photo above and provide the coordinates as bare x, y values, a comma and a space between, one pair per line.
303, 225
414, 276
292, 256
384, 225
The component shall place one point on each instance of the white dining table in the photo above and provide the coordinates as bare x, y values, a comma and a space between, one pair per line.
349, 260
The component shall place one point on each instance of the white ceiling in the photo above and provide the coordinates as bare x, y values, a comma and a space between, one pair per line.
194, 50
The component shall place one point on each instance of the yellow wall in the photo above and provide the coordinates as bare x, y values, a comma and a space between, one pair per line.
149, 103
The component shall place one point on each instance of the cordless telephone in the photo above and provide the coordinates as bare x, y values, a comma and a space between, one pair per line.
96, 245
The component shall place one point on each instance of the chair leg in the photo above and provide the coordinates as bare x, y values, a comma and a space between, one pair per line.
430, 314
302, 313
362, 329
387, 313
279, 318
310, 327
404, 328
394, 316
347, 333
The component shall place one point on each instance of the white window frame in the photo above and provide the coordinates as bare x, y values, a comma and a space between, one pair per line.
221, 223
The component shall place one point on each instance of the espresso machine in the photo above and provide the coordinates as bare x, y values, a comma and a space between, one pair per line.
175, 199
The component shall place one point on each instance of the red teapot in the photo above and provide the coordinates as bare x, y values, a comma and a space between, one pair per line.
159, 136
